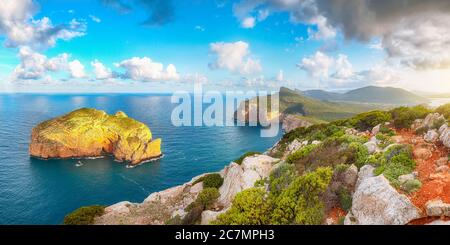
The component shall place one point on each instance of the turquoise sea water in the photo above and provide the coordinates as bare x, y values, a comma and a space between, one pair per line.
34, 191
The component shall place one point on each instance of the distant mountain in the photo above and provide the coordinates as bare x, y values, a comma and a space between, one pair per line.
295, 103
370, 94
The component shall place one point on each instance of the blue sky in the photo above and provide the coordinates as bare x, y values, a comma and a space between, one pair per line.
262, 46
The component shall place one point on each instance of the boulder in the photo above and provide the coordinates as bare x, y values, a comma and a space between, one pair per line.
371, 147
376, 202
295, 145
119, 208
346, 178
431, 136
376, 129
445, 135
431, 119
437, 208
316, 142
240, 177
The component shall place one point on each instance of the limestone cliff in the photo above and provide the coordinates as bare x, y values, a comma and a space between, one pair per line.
93, 133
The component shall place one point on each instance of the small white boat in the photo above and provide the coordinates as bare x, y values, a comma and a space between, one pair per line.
79, 164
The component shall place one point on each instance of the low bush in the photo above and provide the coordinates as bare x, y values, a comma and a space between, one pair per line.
303, 152
205, 199
300, 203
248, 154
395, 162
444, 110
411, 186
250, 207
404, 116
345, 199
368, 120
84, 215
387, 131
212, 181
281, 178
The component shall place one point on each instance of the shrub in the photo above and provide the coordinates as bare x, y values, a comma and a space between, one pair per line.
387, 131
240, 159
411, 186
384, 140
437, 124
212, 181
444, 110
368, 120
303, 152
84, 215
300, 203
360, 153
250, 207
396, 161
404, 116
207, 197
193, 216
345, 199
281, 178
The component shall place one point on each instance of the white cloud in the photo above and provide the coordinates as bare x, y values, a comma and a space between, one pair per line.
324, 30
146, 70
101, 72
95, 18
234, 57
34, 65
248, 22
280, 76
344, 69
317, 65
196, 78
20, 29
76, 69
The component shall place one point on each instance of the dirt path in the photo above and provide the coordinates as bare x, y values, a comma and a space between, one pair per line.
435, 185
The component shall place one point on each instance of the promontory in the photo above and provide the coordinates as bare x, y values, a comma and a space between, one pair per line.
93, 133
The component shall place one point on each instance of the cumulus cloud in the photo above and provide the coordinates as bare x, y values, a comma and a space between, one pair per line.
101, 72
21, 29
146, 70
160, 12
76, 69
36, 66
317, 65
234, 57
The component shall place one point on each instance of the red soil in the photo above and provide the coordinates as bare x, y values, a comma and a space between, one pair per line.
434, 185
335, 214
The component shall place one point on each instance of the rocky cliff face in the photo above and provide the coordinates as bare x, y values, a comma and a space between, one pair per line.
93, 133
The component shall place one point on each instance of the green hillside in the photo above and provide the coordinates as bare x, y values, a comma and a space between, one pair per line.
370, 94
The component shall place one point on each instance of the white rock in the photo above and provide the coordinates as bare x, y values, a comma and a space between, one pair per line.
316, 142
365, 172
195, 189
445, 136
119, 208
431, 119
295, 145
443, 128
231, 184
165, 195
376, 129
431, 136
371, 147
376, 202
180, 212
437, 208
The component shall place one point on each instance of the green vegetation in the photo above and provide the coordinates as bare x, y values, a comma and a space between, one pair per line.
298, 203
368, 120
396, 161
444, 110
250, 207
84, 215
345, 199
403, 117
210, 181
205, 199
301, 153
411, 186
248, 154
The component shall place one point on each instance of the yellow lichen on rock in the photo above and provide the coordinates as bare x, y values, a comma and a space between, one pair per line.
91, 133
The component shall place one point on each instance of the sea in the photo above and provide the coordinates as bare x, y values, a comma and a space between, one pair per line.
34, 191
